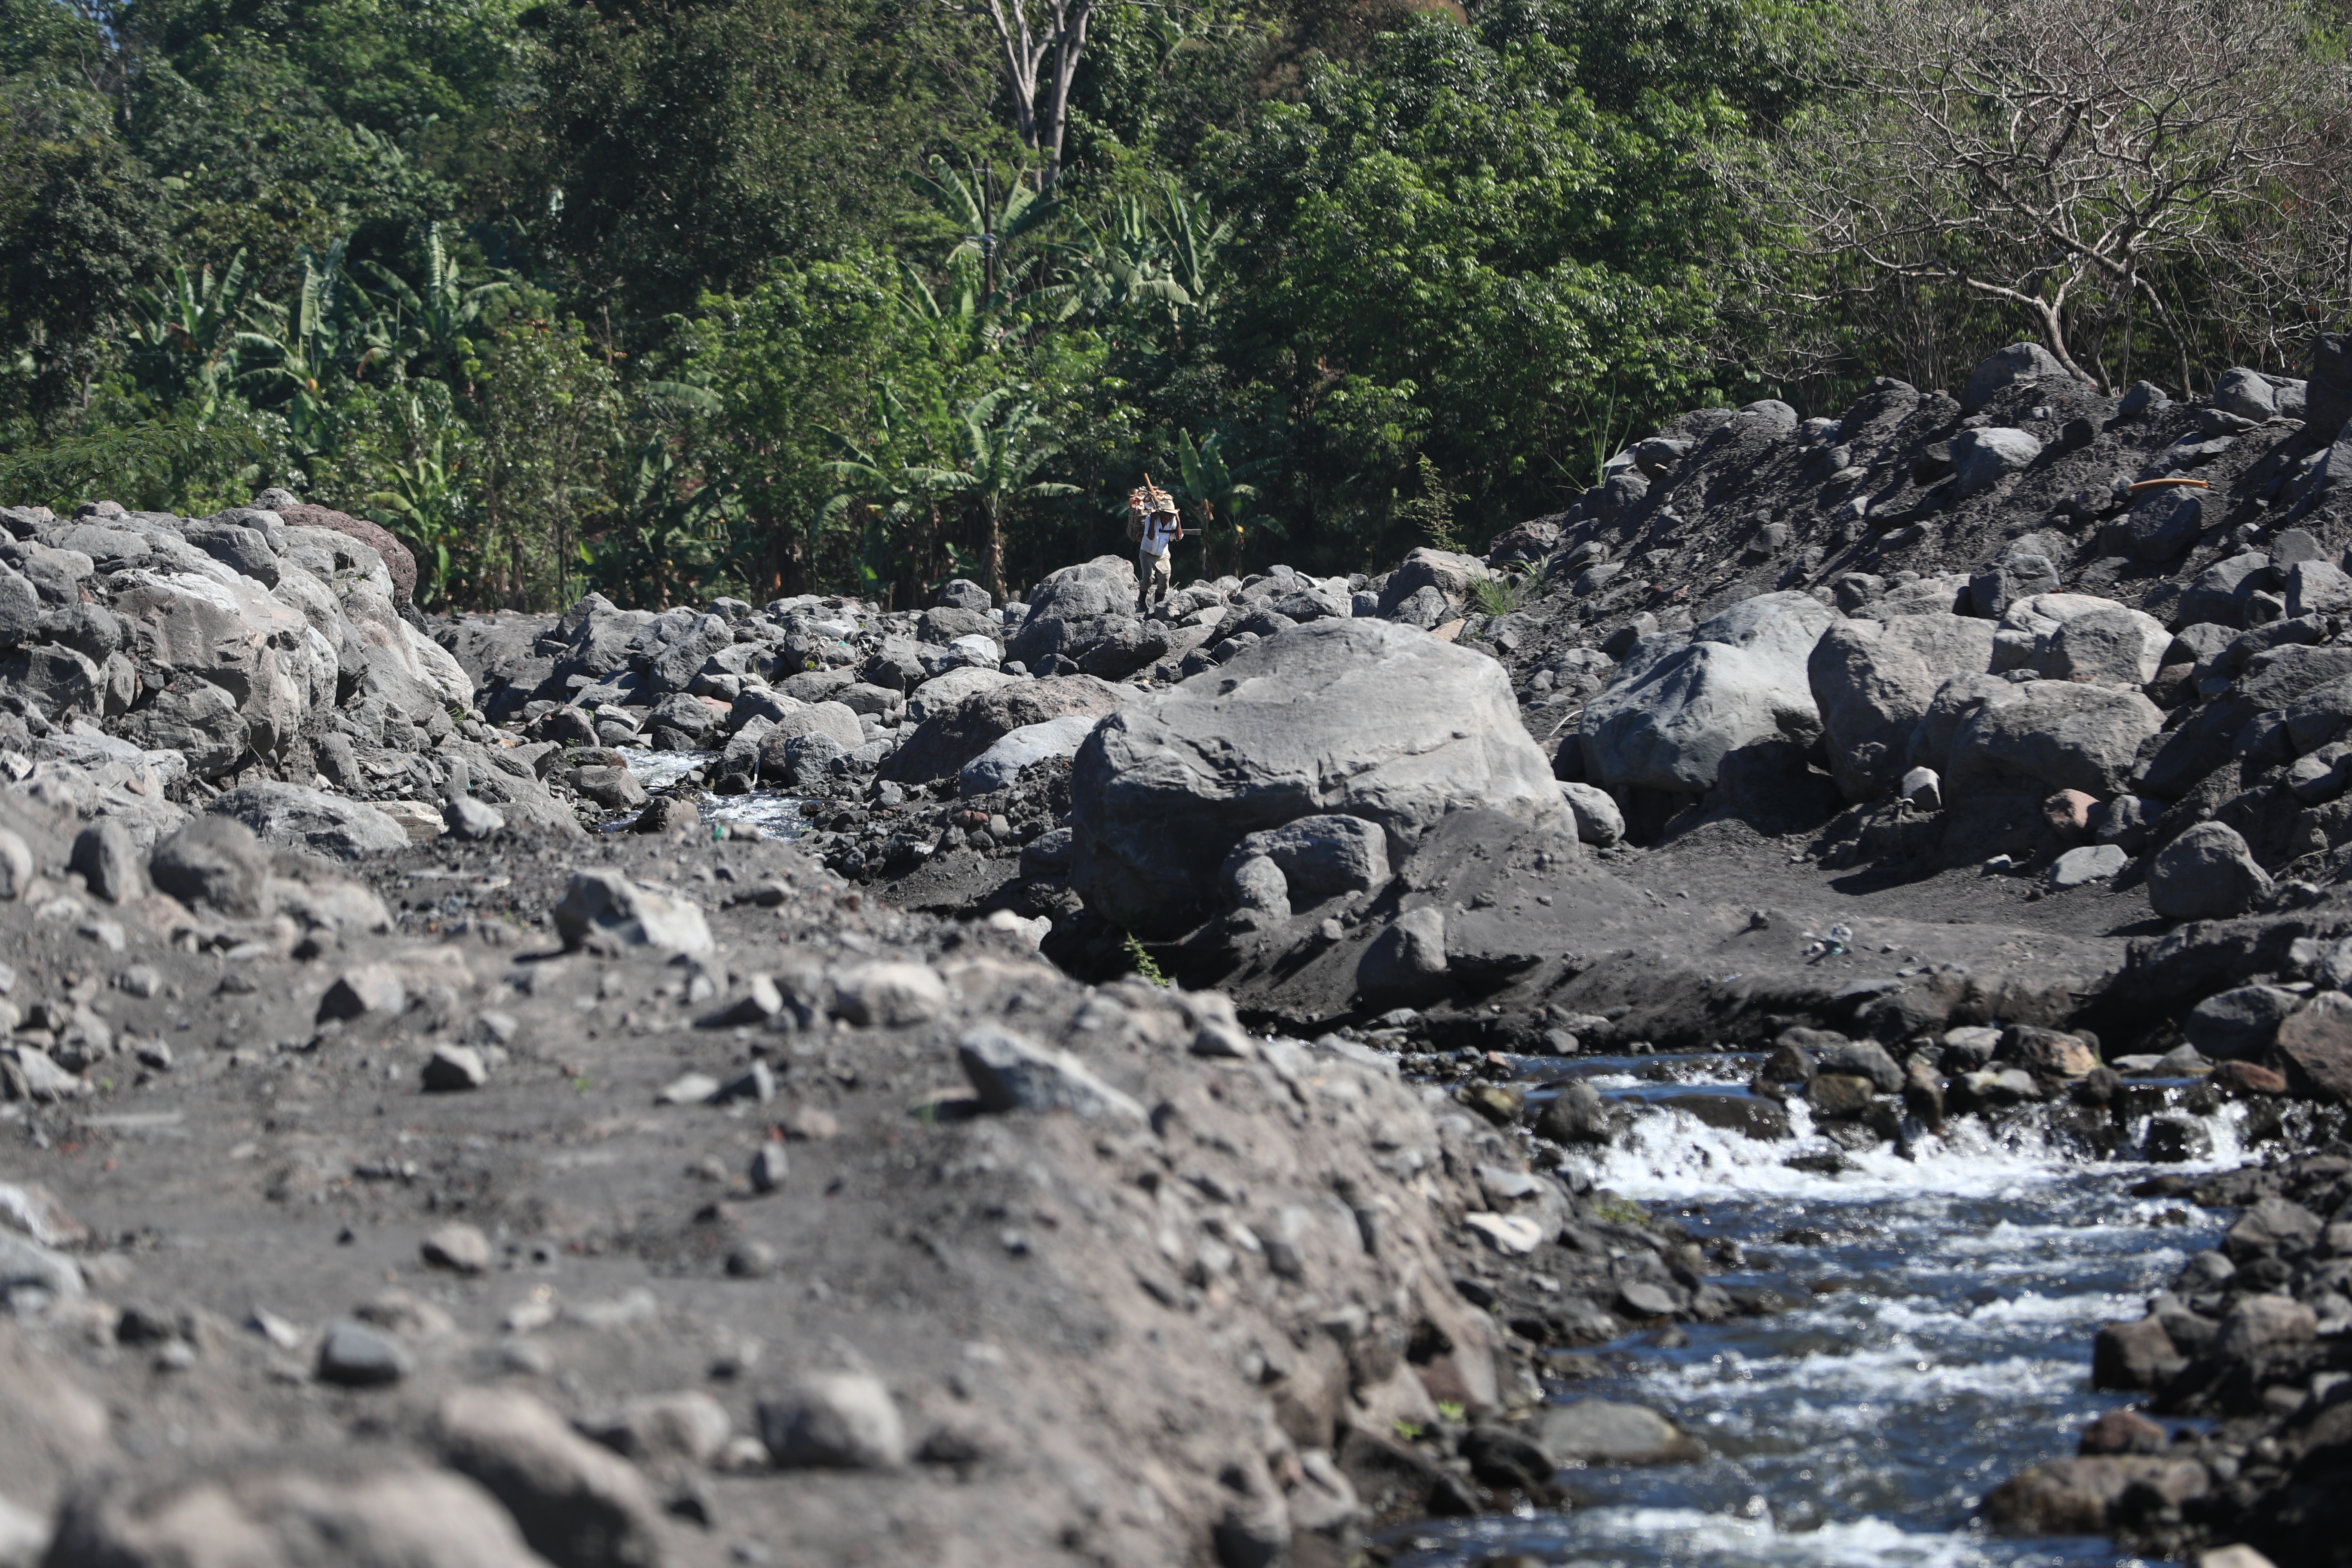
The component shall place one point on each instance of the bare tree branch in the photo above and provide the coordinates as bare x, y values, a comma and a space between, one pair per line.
1057, 35
2050, 154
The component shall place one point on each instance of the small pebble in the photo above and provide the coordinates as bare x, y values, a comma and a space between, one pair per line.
458, 1248
357, 1356
451, 1069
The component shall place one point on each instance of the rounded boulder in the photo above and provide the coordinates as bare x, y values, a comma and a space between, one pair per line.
1357, 718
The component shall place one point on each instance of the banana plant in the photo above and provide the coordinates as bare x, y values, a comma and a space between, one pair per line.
1192, 244
192, 325
989, 221
436, 322
1213, 489
306, 338
884, 499
1123, 258
424, 501
672, 540
1167, 253
997, 438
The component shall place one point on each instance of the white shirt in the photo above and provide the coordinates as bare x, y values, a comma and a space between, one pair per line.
1158, 533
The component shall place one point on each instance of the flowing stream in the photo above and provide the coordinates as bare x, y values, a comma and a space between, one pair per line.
773, 812
1942, 1344
1942, 1341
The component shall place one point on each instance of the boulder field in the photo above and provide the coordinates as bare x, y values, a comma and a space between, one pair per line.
1098, 1136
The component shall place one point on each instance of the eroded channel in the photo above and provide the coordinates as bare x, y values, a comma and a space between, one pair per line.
1937, 1339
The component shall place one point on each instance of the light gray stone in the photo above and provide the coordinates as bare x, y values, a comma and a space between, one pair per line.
1667, 723
457, 1247
1607, 1431
1321, 856
1358, 718
109, 862
2111, 645
355, 1355
1256, 882
16, 865
889, 994
2248, 394
2318, 588
578, 1504
835, 1420
470, 819
1982, 458
1598, 820
613, 788
310, 819
1010, 1073
608, 905
363, 1507
2090, 863
27, 1264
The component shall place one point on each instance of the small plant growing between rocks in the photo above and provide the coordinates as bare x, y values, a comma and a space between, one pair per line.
1500, 594
1619, 1211
1144, 963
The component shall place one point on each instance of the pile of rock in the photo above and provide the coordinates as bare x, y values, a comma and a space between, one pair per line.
2249, 1336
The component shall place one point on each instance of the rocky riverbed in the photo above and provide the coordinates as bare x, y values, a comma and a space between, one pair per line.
1796, 1011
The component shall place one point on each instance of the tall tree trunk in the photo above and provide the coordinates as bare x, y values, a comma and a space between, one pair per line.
996, 554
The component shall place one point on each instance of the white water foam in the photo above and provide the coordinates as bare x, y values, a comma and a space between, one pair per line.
1668, 1155
1750, 1538
659, 770
773, 813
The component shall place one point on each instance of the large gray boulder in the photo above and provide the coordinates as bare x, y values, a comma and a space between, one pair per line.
2032, 636
2018, 364
1872, 681
1358, 718
1982, 458
1667, 723
233, 634
1066, 609
1454, 576
1002, 764
955, 731
2110, 645
2207, 873
2251, 394
2060, 733
310, 819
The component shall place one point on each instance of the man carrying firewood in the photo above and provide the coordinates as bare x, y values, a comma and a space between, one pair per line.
1153, 525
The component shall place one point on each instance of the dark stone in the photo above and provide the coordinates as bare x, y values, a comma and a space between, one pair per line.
396, 558
2133, 1356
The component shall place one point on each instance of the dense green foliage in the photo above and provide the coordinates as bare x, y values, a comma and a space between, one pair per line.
677, 297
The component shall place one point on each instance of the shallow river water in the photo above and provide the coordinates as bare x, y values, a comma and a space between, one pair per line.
773, 812
1944, 1344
